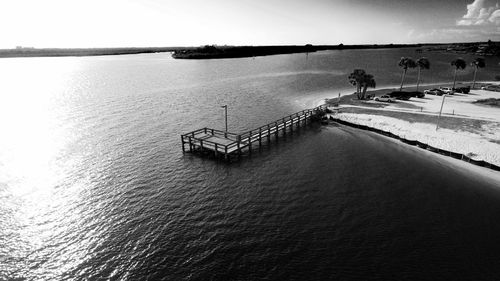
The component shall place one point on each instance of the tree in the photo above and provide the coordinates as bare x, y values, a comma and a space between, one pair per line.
477, 63
458, 63
422, 63
362, 81
405, 63
368, 81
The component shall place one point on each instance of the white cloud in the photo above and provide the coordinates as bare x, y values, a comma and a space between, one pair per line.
481, 13
495, 17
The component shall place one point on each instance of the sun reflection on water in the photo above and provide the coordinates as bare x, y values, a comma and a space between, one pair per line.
35, 121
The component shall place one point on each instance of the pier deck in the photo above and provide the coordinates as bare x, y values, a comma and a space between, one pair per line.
223, 143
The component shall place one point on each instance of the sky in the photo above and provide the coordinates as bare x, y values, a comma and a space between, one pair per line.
158, 23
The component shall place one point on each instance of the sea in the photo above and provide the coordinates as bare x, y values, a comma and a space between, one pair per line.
94, 184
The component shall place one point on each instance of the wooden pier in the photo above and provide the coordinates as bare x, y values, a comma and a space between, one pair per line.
224, 144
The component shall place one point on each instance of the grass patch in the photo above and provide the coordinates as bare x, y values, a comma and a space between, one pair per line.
491, 102
452, 123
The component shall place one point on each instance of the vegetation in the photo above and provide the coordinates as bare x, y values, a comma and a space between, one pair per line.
362, 81
489, 48
452, 123
458, 63
477, 63
422, 63
405, 63
216, 52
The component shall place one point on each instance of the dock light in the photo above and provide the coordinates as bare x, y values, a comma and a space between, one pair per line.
225, 109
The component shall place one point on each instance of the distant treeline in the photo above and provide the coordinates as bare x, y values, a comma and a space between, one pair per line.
59, 52
489, 48
216, 52
204, 52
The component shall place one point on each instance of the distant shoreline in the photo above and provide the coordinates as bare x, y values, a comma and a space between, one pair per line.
81, 52
224, 52
205, 52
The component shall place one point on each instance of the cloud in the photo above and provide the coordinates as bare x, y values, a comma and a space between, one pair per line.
481, 13
495, 17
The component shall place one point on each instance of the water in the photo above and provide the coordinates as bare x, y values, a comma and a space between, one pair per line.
93, 183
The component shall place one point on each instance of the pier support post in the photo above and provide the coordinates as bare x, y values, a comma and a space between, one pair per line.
276, 131
284, 128
260, 137
268, 134
182, 140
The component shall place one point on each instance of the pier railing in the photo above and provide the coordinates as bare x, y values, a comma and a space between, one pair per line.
226, 143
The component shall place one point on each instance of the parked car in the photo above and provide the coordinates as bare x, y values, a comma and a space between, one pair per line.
417, 95
447, 90
436, 92
495, 88
463, 90
400, 95
385, 98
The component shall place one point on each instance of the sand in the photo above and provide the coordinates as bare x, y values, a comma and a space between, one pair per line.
484, 144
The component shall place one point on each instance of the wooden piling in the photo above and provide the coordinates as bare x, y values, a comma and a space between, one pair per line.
268, 134
260, 137
276, 131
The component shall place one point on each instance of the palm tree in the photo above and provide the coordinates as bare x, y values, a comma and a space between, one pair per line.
368, 81
477, 63
362, 81
458, 63
422, 63
405, 63
355, 79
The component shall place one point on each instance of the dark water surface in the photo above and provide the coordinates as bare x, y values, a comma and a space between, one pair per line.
94, 186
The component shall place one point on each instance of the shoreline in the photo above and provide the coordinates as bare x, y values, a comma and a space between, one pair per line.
474, 134
417, 143
82, 52
484, 172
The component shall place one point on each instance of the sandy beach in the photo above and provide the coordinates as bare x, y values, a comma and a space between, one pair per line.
465, 127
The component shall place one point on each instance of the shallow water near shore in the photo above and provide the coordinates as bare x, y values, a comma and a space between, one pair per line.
93, 182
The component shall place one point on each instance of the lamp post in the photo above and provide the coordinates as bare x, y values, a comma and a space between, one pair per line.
439, 117
225, 109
